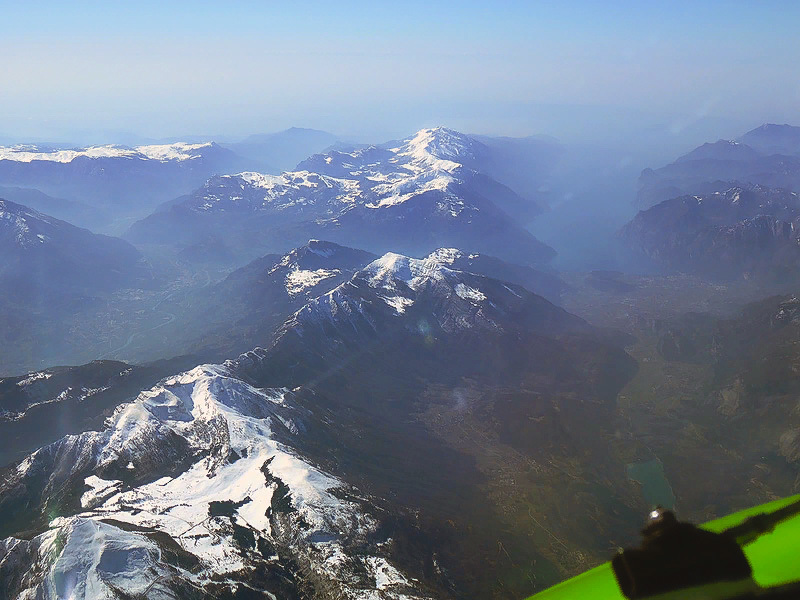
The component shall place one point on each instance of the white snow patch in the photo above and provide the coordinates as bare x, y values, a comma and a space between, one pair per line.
99, 491
468, 293
385, 574
398, 303
299, 280
446, 256
34, 377
98, 557
87, 392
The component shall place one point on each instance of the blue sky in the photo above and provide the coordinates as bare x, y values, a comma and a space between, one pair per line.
377, 69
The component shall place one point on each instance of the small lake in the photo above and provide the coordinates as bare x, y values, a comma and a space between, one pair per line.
655, 485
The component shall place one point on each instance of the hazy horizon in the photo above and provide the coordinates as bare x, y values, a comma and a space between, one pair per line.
94, 72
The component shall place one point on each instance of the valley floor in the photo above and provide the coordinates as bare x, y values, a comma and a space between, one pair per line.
693, 405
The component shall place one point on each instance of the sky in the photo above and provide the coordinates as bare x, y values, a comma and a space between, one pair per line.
378, 70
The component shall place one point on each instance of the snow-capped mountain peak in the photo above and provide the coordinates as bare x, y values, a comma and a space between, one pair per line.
447, 256
406, 278
391, 268
308, 266
397, 283
439, 143
196, 459
303, 267
372, 178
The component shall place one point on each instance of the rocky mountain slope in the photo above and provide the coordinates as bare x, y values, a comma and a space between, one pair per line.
43, 256
741, 232
50, 272
188, 492
774, 139
37, 409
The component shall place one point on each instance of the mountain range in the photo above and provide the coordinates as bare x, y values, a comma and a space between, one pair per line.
351, 455
411, 196
120, 183
768, 156
380, 390
247, 306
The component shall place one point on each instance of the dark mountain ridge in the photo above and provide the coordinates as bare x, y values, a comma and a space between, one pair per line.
43, 255
744, 231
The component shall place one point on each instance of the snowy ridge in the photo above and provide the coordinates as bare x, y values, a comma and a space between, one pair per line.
34, 377
87, 559
448, 256
392, 268
391, 271
257, 191
179, 151
230, 480
306, 267
400, 282
370, 177
441, 148
85, 393
316, 247
766, 197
